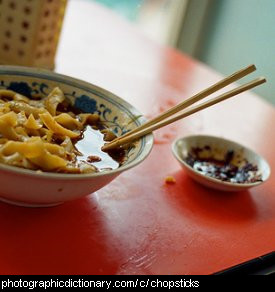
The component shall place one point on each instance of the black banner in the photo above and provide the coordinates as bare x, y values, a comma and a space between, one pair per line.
47, 283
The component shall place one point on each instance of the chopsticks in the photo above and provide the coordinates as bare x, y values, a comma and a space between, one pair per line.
162, 119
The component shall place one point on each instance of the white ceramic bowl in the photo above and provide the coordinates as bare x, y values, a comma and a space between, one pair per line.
31, 188
182, 146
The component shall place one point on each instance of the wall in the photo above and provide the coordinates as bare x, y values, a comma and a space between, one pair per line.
237, 33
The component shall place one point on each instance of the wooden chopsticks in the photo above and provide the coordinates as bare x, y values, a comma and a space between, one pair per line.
162, 119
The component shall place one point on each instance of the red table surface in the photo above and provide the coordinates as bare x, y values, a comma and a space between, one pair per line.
138, 224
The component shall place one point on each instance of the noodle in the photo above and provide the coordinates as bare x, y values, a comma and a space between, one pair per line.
34, 134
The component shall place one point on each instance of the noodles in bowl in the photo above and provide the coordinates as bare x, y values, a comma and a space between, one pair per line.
52, 128
42, 134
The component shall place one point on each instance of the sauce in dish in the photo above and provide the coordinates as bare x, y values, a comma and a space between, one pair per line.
229, 168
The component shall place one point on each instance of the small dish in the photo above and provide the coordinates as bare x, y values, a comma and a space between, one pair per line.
218, 148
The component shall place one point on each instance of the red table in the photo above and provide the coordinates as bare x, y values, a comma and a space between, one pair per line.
138, 224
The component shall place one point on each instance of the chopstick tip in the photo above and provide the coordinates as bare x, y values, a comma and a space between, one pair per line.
253, 66
105, 147
262, 79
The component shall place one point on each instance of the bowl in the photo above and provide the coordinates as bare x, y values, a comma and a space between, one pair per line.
40, 189
217, 148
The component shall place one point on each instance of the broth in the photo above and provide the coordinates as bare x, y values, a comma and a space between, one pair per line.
90, 148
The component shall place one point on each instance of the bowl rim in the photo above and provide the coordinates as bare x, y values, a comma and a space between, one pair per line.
215, 180
147, 141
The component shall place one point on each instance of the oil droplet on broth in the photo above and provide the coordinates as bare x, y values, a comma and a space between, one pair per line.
91, 144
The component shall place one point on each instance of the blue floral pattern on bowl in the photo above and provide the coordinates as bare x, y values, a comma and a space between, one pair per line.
86, 104
83, 102
89, 102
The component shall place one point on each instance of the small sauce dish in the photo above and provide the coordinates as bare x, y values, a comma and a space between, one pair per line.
219, 163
